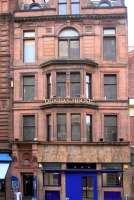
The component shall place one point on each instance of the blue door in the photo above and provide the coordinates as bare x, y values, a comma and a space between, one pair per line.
112, 196
81, 186
52, 195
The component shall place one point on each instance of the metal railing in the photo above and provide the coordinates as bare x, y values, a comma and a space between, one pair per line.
103, 3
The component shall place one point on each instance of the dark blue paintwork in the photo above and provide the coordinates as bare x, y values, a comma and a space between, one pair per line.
74, 185
52, 195
112, 196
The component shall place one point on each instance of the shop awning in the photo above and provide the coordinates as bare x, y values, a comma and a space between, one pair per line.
5, 157
5, 160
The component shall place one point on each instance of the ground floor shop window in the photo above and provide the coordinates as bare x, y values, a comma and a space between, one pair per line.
52, 179
112, 179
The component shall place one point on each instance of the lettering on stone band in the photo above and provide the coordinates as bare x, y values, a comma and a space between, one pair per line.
67, 101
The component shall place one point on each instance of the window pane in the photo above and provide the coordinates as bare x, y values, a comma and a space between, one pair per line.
110, 87
132, 159
29, 51
52, 179
88, 127
75, 8
110, 128
61, 85
88, 86
49, 127
75, 84
28, 87
61, 127
62, 9
49, 85
75, 124
29, 34
28, 127
109, 31
112, 179
69, 33
29, 80
63, 49
74, 49
109, 48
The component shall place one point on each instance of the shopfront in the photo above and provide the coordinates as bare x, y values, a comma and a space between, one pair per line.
5, 160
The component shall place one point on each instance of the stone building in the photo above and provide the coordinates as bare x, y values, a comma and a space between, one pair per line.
131, 111
68, 73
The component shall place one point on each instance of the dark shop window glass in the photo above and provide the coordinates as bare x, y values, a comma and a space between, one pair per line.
110, 128
52, 179
112, 179
75, 7
61, 127
110, 87
28, 87
61, 85
62, 7
109, 44
75, 84
87, 188
28, 127
75, 127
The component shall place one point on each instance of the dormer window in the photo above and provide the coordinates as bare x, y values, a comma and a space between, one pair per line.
105, 3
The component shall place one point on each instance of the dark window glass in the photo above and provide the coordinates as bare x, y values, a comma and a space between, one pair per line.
52, 179
109, 44
88, 188
112, 166
88, 85
89, 127
28, 127
49, 127
75, 7
62, 7
112, 179
51, 166
110, 128
61, 84
28, 87
61, 127
48, 85
75, 127
110, 87
29, 47
69, 45
75, 84
132, 159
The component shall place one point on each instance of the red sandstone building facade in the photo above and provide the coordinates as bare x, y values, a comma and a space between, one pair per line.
69, 90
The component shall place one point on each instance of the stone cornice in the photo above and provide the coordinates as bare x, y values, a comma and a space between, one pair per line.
69, 62
70, 17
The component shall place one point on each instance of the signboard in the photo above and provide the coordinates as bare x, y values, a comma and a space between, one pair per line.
15, 184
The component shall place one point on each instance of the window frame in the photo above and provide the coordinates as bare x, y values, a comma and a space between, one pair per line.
68, 40
62, 3
24, 85
65, 126
26, 38
35, 126
61, 82
72, 83
75, 2
115, 84
89, 84
49, 85
75, 140
110, 36
90, 138
49, 127
52, 173
111, 115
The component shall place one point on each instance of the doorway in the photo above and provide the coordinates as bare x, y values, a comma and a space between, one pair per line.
28, 189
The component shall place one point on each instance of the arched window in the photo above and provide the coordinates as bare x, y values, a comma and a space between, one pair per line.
35, 6
69, 44
105, 3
